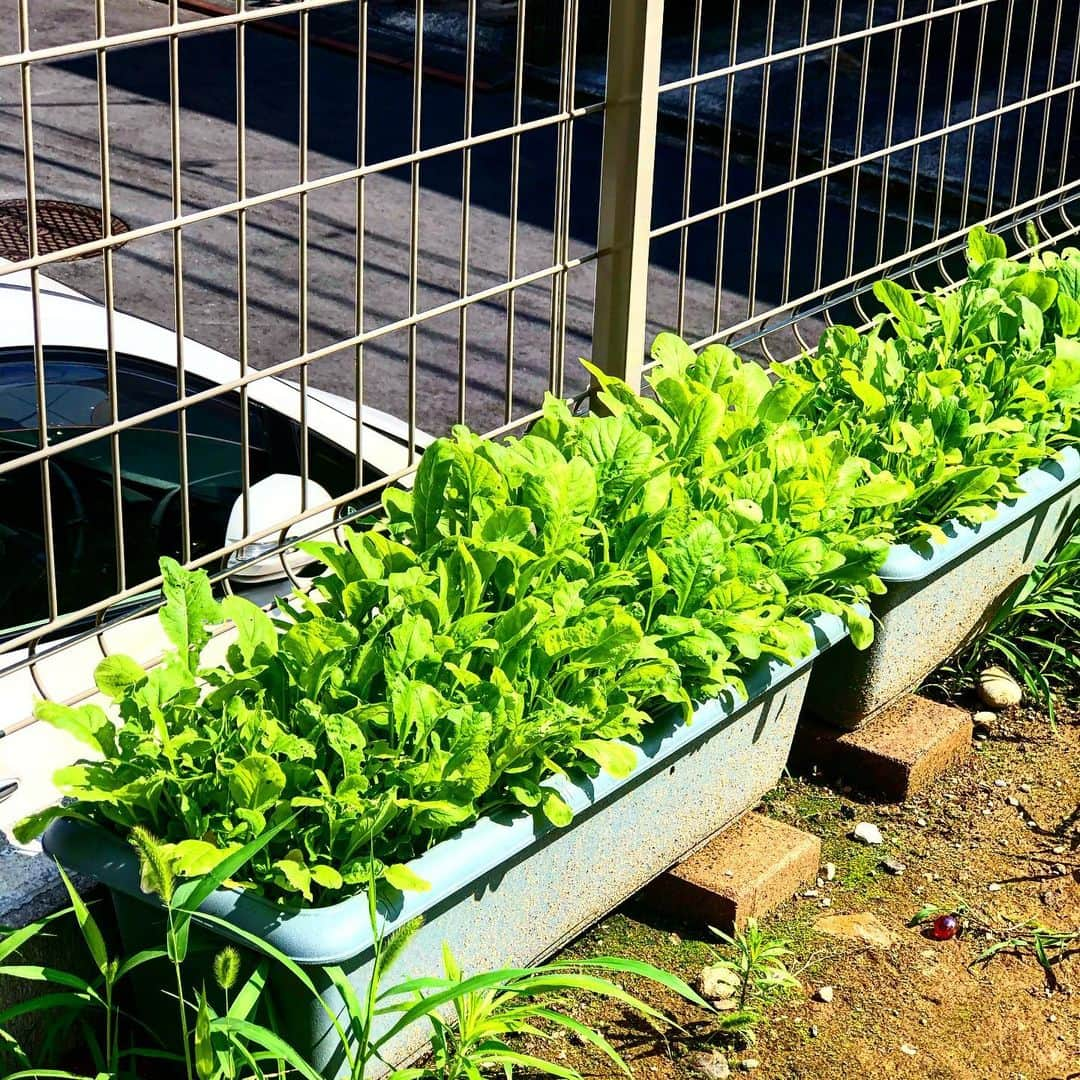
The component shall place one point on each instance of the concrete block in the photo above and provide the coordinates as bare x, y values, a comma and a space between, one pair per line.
895, 755
744, 872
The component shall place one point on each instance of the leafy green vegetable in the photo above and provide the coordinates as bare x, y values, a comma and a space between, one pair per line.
954, 393
524, 612
528, 608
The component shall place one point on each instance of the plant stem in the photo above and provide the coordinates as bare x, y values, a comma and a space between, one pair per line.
184, 1034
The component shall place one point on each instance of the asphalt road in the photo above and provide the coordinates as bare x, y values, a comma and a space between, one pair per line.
66, 145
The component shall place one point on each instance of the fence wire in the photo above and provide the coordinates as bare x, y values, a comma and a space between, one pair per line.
430, 210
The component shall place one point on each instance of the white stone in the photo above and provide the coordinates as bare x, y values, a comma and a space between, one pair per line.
718, 982
999, 689
868, 833
824, 993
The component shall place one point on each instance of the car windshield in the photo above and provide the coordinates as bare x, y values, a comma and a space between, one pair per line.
91, 520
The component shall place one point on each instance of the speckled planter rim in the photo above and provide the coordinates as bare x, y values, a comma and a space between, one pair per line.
342, 931
910, 562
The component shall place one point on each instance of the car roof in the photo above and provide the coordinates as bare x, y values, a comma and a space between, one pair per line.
72, 320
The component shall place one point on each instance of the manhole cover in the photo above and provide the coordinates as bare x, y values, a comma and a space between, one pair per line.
60, 225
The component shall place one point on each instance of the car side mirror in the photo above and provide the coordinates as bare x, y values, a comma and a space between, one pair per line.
273, 499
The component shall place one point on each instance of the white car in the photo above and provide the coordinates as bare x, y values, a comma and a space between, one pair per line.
73, 330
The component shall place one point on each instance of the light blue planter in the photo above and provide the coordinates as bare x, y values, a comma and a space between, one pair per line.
513, 891
940, 594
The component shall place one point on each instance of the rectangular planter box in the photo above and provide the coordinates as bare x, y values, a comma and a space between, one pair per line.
512, 891
939, 595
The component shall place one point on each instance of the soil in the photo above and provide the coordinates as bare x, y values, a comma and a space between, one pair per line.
999, 835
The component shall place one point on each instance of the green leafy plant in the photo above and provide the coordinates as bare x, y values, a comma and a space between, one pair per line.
957, 392
236, 1042
1036, 631
752, 972
394, 735
757, 961
486, 1020
757, 529
523, 613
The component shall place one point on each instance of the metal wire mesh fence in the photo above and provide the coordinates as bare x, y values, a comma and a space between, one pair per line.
353, 225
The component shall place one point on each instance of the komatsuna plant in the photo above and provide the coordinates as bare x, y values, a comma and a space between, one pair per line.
955, 392
388, 731
524, 612
758, 523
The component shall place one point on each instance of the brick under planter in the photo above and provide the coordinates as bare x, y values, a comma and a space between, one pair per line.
896, 754
743, 873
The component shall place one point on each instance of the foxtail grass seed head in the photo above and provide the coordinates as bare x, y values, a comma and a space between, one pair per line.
227, 967
157, 875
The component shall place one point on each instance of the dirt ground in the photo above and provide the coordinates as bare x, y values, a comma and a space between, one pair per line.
999, 835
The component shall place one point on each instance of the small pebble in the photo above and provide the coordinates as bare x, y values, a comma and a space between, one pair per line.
893, 866
712, 1065
998, 689
867, 833
1060, 849
826, 902
1025, 788
813, 1031
1001, 783
994, 886
810, 894
1032, 824
984, 716
1012, 800
907, 1048
830, 871
921, 823
749, 1064
824, 993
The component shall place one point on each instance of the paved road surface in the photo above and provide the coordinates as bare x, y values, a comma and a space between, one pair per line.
66, 146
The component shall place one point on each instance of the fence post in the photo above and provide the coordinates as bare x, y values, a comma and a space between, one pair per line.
635, 32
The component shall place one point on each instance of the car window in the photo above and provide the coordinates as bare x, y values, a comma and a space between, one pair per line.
77, 397
333, 466
73, 392
83, 495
